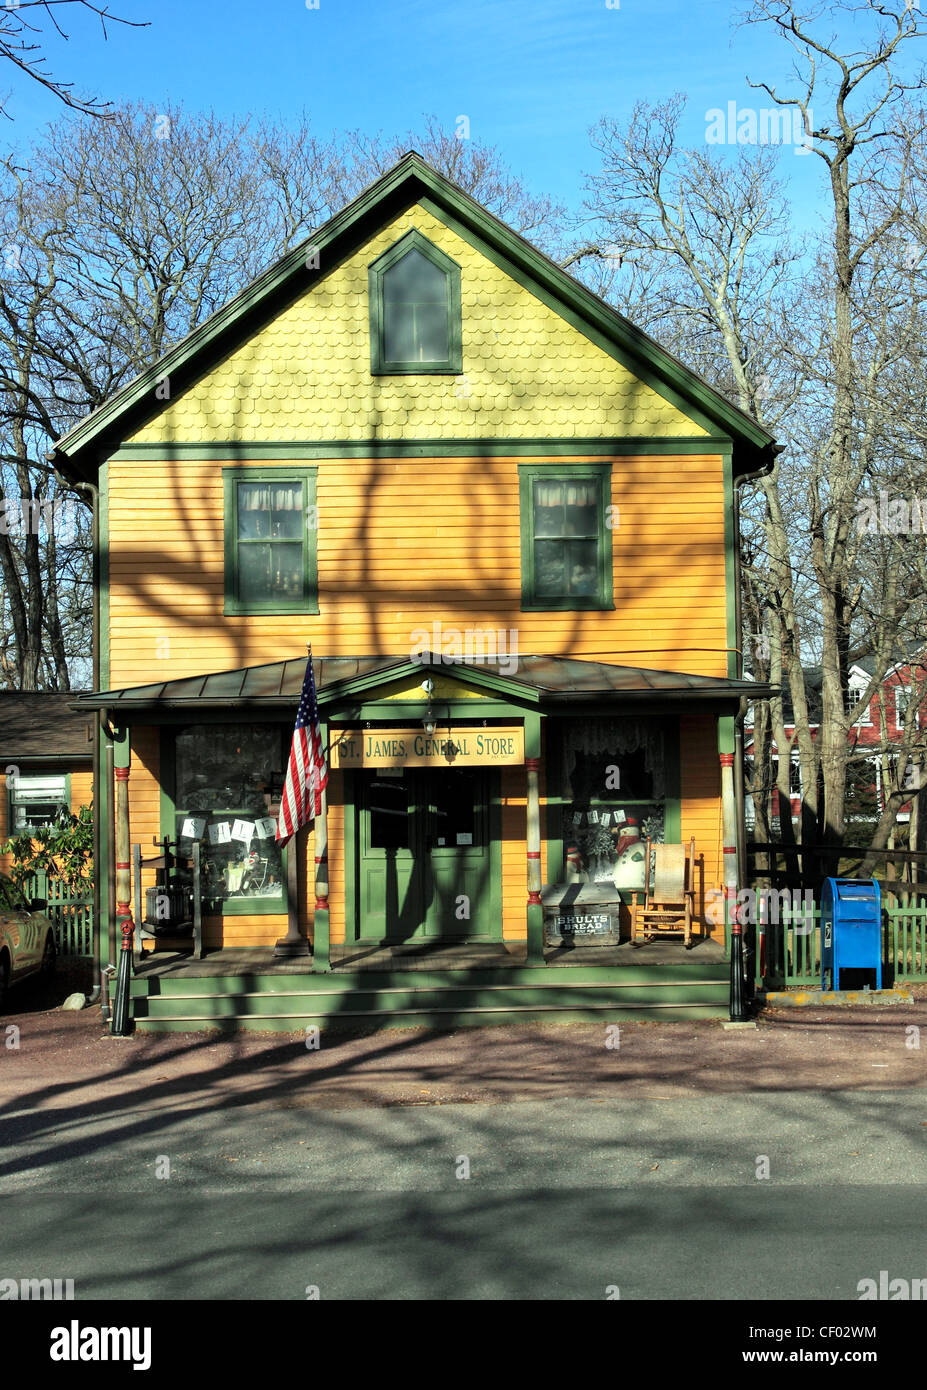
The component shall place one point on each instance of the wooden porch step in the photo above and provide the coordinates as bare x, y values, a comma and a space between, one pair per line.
332, 1002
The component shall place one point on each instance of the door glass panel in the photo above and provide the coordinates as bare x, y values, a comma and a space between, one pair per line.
455, 816
389, 814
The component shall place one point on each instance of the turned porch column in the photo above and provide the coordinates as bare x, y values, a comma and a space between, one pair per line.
122, 759
121, 1022
738, 1003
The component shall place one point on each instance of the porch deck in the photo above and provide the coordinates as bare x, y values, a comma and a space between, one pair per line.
441, 956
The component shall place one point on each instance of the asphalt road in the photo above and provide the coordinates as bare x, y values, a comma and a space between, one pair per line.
663, 1197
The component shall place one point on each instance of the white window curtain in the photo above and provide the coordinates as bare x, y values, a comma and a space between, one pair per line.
267, 497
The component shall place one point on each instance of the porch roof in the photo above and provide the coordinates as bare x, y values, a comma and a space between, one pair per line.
539, 680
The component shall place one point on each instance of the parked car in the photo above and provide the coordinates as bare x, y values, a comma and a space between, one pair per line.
27, 937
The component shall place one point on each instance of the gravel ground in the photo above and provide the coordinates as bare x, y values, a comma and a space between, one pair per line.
71, 1058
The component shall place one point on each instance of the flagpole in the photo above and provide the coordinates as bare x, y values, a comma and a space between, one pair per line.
294, 944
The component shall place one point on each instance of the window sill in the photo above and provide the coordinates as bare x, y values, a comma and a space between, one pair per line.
567, 605
247, 907
232, 608
416, 369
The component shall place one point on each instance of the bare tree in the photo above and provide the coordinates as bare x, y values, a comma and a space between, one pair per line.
814, 352
21, 32
123, 237
477, 168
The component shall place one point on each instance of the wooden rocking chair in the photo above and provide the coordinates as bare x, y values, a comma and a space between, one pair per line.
667, 907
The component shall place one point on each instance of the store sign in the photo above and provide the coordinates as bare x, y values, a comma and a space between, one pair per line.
459, 746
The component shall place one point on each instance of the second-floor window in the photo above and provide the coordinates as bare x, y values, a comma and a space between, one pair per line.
270, 540
566, 543
903, 703
853, 696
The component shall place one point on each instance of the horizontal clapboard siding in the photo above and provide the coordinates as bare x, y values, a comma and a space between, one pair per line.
401, 543
700, 793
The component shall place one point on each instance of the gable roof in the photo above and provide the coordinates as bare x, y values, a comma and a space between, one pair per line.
78, 453
37, 724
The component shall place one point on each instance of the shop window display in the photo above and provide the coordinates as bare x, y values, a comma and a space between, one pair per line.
228, 779
615, 792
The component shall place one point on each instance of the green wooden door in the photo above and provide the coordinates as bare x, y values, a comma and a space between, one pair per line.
390, 897
457, 878
423, 856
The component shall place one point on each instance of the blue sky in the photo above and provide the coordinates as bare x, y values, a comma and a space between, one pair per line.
531, 75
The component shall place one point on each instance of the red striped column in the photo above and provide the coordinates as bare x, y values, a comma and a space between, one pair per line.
123, 852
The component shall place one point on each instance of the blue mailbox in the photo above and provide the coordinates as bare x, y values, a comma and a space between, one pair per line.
851, 929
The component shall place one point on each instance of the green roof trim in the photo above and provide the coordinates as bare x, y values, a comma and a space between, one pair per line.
410, 181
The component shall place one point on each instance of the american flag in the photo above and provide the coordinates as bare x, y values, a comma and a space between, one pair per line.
307, 773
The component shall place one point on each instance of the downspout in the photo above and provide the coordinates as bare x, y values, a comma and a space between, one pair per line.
743, 971
740, 717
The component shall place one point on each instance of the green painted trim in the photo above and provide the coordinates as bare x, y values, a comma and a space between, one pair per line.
725, 733
231, 907
166, 781
122, 747
534, 914
564, 707
103, 593
321, 916
321, 939
452, 365
382, 447
553, 774
351, 784
731, 542
401, 713
306, 476
389, 675
410, 182
494, 812
528, 474
533, 735
672, 823
104, 871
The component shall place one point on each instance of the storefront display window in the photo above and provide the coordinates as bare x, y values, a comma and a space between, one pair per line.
614, 773
228, 779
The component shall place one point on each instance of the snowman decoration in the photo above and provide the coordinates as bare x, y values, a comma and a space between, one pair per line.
629, 854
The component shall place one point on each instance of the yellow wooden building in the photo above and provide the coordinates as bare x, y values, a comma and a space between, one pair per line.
505, 521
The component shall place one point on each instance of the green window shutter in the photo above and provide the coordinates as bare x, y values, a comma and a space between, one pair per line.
415, 310
270, 528
566, 551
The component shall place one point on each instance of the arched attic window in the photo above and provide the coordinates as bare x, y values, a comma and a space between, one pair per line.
415, 310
